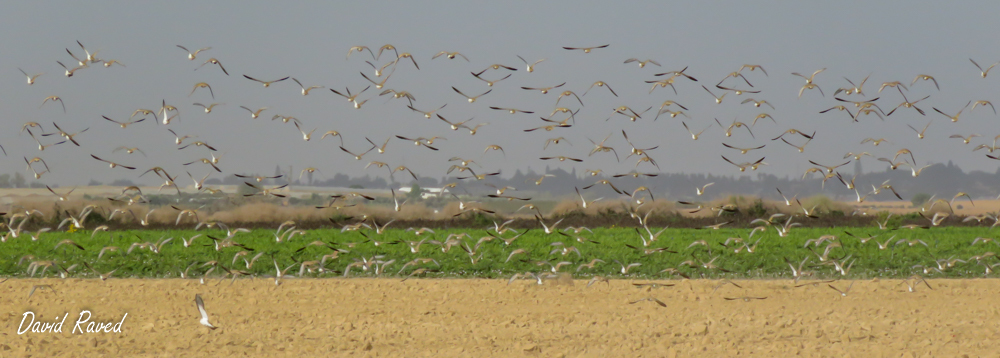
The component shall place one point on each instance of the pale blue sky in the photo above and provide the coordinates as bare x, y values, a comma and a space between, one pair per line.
891, 41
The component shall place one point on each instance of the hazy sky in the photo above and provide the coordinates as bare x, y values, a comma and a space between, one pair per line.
308, 41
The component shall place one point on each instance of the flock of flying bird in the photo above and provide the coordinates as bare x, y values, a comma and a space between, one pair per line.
851, 100
890, 98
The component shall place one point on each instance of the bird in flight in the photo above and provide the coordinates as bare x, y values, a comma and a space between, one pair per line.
359, 49
53, 99
586, 49
192, 55
266, 83
31, 79
212, 60
305, 90
530, 66
471, 98
983, 72
204, 314
450, 55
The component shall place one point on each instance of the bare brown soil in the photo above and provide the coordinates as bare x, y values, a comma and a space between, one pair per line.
479, 318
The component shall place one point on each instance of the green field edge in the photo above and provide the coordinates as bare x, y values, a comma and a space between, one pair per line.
946, 249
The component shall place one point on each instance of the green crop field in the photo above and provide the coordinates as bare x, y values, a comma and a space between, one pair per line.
764, 256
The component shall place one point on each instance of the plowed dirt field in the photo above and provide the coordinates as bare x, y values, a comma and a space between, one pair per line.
479, 318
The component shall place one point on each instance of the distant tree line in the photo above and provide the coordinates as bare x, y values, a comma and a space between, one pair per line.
941, 179
18, 181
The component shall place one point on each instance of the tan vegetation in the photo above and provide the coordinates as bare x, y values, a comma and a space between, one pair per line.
257, 210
